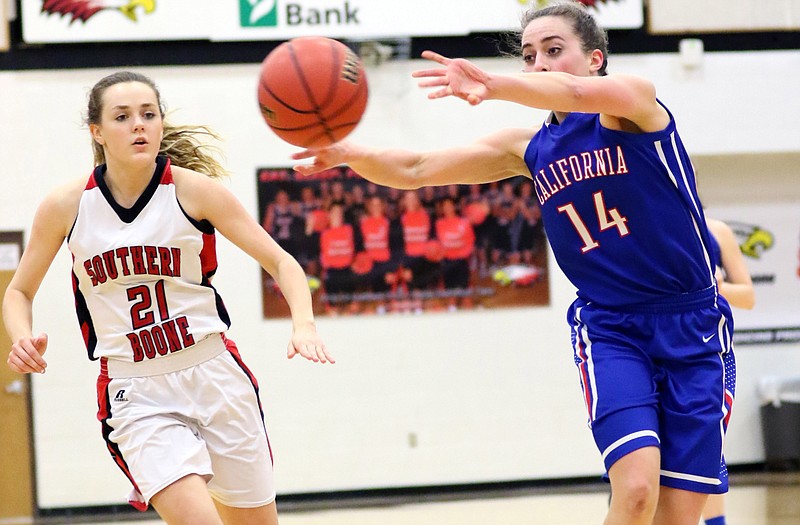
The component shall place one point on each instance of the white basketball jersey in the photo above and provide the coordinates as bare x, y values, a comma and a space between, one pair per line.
141, 275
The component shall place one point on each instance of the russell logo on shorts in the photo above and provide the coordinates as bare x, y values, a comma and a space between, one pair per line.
120, 396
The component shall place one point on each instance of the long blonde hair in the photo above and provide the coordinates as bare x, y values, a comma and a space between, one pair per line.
186, 146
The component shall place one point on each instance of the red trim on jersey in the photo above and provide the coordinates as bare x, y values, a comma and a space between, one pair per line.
585, 381
103, 415
208, 255
234, 351
84, 316
84, 326
166, 175
728, 406
91, 183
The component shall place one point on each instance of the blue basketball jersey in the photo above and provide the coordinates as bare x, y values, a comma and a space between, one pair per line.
621, 211
716, 251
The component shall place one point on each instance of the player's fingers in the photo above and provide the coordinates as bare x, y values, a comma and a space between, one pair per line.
290, 351
310, 169
436, 57
438, 72
27, 351
16, 365
21, 363
318, 350
474, 99
309, 352
305, 154
435, 82
324, 355
303, 169
40, 343
441, 93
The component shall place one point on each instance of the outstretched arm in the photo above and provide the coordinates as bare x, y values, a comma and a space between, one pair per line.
614, 96
492, 158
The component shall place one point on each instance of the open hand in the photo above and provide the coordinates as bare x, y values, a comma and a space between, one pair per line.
323, 158
308, 344
459, 78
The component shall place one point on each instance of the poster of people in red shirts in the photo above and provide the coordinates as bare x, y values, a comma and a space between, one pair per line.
367, 249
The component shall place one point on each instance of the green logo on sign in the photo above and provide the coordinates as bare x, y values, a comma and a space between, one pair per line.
258, 13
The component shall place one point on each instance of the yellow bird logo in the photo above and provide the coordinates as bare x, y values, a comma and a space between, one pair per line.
83, 10
753, 240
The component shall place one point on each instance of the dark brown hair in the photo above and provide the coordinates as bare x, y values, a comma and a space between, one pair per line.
586, 28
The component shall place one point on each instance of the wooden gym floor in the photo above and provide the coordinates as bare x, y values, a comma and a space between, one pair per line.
754, 499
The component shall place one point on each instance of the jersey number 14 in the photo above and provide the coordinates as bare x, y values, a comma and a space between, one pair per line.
606, 218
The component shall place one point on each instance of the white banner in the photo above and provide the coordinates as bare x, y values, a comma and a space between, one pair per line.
720, 16
62, 21
350, 19
769, 237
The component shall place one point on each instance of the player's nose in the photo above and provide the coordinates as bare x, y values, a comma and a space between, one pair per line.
541, 64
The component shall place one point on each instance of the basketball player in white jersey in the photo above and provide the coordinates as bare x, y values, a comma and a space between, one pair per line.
179, 410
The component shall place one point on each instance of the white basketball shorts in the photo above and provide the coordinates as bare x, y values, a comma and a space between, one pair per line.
206, 420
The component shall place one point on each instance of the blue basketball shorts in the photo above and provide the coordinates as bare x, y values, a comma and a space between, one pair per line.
660, 376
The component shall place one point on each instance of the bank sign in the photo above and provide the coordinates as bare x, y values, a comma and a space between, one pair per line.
62, 21
356, 19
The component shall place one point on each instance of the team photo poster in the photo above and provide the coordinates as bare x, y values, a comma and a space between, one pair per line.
367, 249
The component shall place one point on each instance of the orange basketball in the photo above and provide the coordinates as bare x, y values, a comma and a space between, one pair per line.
312, 91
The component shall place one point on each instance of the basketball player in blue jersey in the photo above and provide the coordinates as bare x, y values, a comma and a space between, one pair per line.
651, 335
179, 409
735, 284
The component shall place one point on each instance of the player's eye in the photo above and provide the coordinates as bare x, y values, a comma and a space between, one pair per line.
121, 118
554, 50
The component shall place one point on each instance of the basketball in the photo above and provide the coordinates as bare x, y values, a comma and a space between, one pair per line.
312, 91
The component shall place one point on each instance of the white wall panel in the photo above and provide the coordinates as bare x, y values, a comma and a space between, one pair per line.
712, 16
490, 395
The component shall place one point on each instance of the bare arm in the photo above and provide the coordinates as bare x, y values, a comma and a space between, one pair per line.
616, 98
492, 158
203, 198
624, 102
51, 224
737, 287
